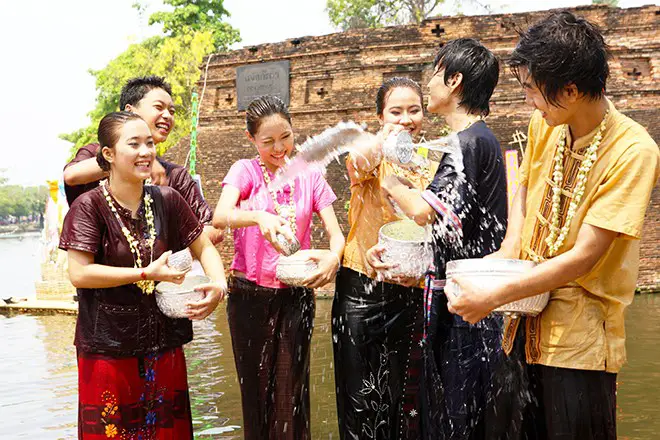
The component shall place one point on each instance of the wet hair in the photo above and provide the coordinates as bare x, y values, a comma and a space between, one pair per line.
108, 133
261, 108
393, 83
479, 67
560, 50
136, 89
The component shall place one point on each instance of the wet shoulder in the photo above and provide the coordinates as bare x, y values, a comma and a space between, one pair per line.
91, 199
479, 138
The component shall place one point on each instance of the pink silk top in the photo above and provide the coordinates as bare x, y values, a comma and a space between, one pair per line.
253, 254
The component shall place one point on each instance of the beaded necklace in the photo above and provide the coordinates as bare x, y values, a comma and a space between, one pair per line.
557, 236
147, 286
289, 212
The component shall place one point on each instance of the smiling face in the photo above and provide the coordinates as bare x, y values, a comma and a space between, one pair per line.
554, 114
403, 106
274, 141
132, 156
157, 110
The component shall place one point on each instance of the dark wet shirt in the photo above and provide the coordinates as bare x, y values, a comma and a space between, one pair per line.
177, 176
479, 200
123, 321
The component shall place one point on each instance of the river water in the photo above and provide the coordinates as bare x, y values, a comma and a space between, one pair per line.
38, 380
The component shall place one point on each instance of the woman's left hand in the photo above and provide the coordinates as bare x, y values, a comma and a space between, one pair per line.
213, 294
472, 303
328, 263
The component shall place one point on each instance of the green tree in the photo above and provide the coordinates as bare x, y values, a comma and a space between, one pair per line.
176, 56
19, 201
197, 15
352, 14
612, 3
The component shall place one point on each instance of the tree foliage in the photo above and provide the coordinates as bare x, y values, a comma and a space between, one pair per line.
197, 15
612, 3
353, 14
176, 56
20, 201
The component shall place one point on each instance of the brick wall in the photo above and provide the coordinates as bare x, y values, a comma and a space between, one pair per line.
350, 66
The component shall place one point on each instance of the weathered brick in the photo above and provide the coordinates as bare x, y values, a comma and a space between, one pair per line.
351, 65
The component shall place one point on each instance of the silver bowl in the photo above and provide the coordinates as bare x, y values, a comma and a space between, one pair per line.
181, 260
172, 298
489, 272
407, 245
289, 247
294, 269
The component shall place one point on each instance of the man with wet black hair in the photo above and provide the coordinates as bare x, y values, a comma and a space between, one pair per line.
473, 401
586, 180
150, 97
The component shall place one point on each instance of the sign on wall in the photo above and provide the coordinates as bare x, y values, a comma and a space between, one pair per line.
261, 79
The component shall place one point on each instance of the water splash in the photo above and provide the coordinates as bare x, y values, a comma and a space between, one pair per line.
317, 152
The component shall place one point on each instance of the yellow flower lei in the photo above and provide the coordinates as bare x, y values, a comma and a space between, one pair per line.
556, 238
147, 286
292, 203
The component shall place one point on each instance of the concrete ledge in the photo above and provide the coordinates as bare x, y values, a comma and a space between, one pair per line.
36, 306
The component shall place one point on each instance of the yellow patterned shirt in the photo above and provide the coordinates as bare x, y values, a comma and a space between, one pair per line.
583, 326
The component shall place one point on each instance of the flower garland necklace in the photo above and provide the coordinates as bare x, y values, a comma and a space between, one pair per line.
557, 236
147, 286
289, 213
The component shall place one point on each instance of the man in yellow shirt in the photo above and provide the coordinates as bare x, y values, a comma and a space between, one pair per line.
586, 181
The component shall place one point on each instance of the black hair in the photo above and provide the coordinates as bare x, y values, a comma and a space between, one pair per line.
108, 133
393, 83
478, 66
560, 50
261, 108
136, 88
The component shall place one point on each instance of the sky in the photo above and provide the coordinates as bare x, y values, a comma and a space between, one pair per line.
48, 50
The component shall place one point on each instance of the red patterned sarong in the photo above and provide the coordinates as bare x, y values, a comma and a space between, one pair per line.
134, 398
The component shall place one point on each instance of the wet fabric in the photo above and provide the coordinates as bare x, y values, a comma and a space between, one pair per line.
122, 321
134, 398
616, 197
271, 331
476, 390
377, 334
368, 210
254, 256
478, 198
178, 178
572, 404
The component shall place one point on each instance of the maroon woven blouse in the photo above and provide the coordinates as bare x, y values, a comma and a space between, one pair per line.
177, 176
122, 321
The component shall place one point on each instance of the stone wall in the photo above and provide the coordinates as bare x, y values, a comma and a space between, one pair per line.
335, 77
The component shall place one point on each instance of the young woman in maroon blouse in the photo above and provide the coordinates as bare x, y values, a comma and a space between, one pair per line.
131, 367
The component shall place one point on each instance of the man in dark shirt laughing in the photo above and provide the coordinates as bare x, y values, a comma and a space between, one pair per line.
151, 98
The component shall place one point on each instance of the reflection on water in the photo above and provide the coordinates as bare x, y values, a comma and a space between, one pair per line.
38, 377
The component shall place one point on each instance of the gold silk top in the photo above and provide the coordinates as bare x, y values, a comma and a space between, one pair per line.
583, 325
369, 211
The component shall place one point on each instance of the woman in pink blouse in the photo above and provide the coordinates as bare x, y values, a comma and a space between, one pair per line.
270, 322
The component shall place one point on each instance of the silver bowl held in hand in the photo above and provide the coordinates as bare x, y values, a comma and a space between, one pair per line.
288, 246
181, 261
407, 247
172, 298
399, 148
294, 269
488, 272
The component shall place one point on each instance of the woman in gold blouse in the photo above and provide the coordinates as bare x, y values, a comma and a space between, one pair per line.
377, 325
